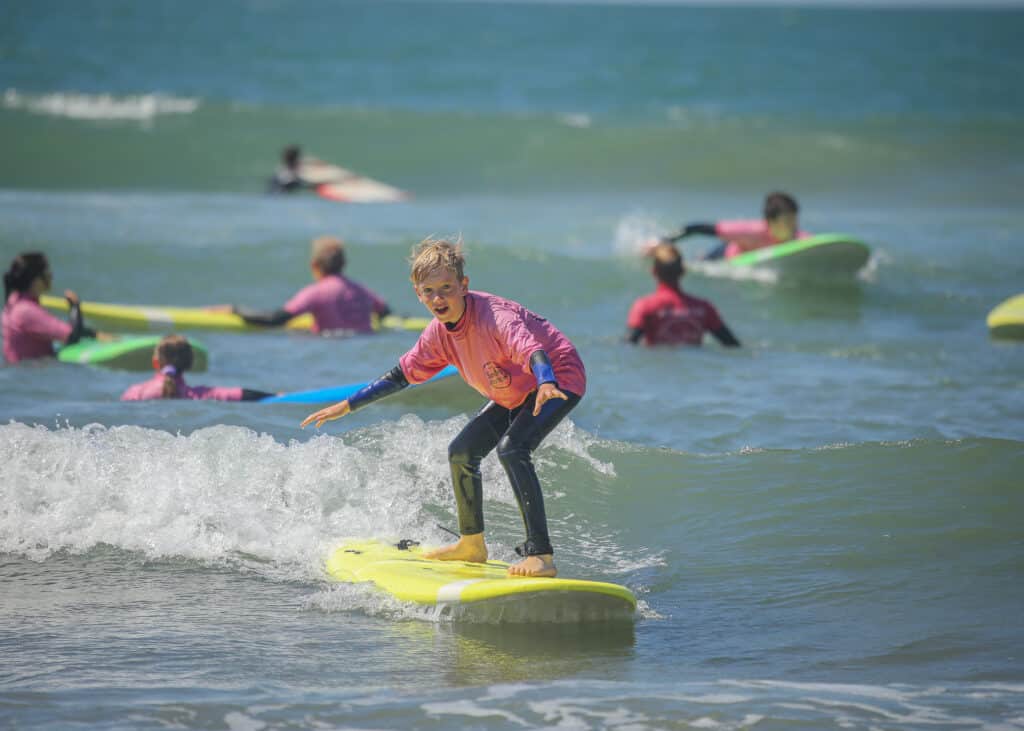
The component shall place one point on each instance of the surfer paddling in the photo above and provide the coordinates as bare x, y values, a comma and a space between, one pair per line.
529, 371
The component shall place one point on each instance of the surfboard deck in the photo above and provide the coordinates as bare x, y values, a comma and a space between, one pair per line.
145, 318
130, 354
1006, 320
338, 184
477, 592
830, 254
340, 393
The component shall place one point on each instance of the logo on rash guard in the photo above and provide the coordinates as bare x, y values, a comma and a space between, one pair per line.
498, 376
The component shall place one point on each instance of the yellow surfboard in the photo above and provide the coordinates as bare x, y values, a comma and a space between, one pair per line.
477, 592
1007, 319
144, 318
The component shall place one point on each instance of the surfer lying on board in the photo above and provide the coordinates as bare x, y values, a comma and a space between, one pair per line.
28, 329
778, 226
528, 369
286, 178
171, 358
336, 302
669, 316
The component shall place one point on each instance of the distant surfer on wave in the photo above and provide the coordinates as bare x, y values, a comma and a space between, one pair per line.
778, 226
287, 177
528, 369
29, 330
669, 316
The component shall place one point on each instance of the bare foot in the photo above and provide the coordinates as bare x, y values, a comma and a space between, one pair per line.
535, 566
469, 548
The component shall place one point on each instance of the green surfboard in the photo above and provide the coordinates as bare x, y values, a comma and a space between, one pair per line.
130, 354
824, 255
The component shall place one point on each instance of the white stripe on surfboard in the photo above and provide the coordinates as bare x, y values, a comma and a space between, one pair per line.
156, 316
452, 593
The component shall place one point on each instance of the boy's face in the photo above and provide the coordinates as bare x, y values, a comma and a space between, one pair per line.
444, 294
784, 227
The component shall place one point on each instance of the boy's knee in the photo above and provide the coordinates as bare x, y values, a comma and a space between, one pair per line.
509, 449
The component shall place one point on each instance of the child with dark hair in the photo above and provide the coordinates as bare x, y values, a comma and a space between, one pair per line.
29, 330
778, 226
171, 358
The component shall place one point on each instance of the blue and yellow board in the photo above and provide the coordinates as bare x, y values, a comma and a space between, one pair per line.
482, 592
1006, 320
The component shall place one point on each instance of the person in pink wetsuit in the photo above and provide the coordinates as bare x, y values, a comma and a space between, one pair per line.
171, 358
29, 331
669, 316
337, 303
778, 226
529, 371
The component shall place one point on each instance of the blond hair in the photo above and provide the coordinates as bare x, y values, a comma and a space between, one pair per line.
432, 254
328, 253
173, 350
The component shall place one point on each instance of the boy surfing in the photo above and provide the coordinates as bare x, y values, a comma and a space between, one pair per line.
529, 371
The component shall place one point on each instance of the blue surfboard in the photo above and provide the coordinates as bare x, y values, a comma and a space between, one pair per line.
339, 393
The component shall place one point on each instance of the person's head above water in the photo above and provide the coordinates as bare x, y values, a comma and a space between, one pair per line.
28, 272
290, 156
780, 213
439, 279
668, 264
327, 256
172, 357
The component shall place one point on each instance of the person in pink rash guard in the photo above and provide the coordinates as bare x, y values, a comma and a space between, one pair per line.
669, 316
28, 329
778, 226
337, 303
171, 358
529, 371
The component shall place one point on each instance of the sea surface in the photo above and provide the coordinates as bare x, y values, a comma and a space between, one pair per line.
824, 528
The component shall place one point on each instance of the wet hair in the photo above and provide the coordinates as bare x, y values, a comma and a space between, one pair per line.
290, 155
431, 254
668, 263
173, 351
778, 204
328, 253
23, 271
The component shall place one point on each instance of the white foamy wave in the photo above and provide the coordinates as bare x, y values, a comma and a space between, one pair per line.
141, 108
226, 493
635, 233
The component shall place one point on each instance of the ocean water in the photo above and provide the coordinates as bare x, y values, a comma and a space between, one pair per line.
823, 527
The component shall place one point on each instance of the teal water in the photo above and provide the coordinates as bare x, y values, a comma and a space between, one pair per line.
823, 527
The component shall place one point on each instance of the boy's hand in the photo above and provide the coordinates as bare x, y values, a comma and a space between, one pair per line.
546, 392
330, 413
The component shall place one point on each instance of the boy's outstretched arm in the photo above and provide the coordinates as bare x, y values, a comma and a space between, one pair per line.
725, 337
704, 229
391, 382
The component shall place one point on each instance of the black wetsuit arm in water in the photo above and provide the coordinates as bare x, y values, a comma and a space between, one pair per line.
725, 337
249, 394
634, 335
704, 229
391, 382
78, 328
262, 317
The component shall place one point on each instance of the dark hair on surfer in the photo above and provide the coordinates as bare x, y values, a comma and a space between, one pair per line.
779, 204
431, 254
174, 351
328, 253
23, 271
668, 263
290, 155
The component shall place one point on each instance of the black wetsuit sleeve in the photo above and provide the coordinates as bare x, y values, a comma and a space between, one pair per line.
391, 382
249, 394
725, 337
634, 335
258, 317
78, 328
704, 229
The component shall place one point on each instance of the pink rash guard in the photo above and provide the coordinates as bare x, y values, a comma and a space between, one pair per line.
669, 316
491, 347
746, 235
337, 303
29, 330
153, 389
